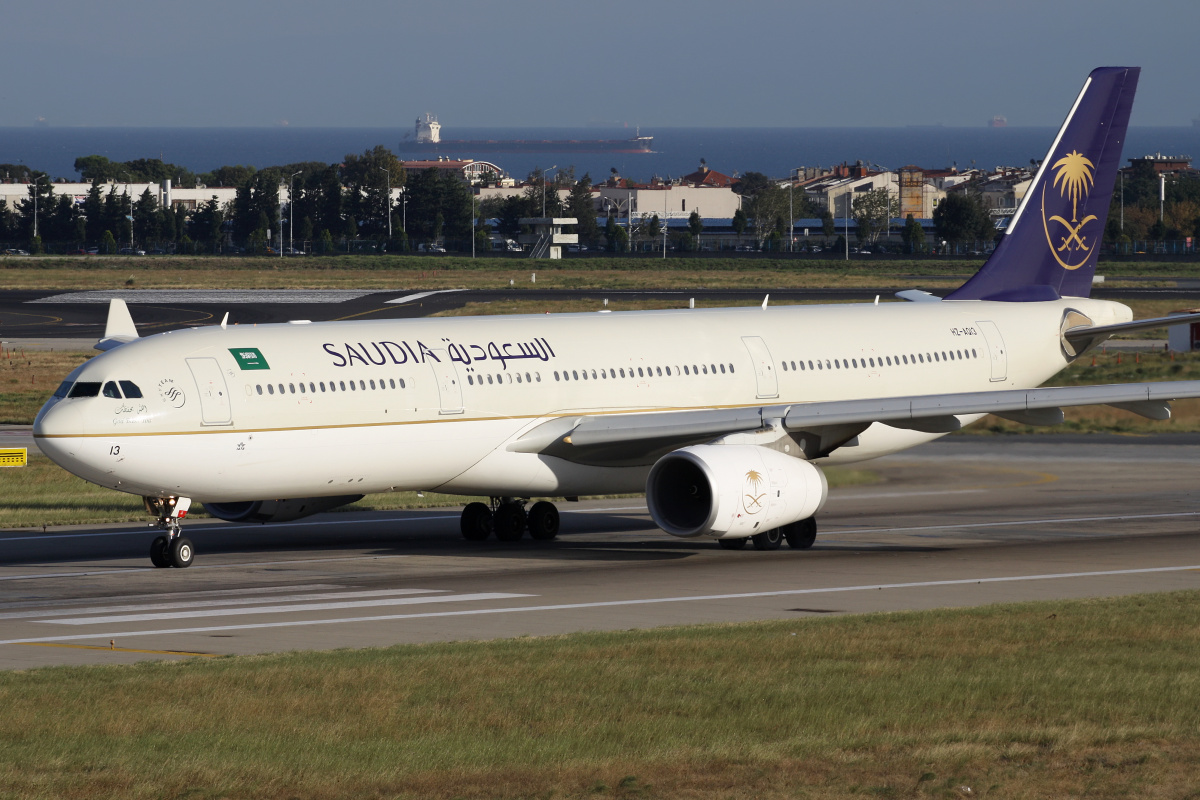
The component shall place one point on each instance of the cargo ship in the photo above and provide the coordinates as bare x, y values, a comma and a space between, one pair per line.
427, 136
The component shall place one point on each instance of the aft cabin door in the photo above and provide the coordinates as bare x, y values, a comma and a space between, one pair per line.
450, 394
764, 368
214, 395
995, 343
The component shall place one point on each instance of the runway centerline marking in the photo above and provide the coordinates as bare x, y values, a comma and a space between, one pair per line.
288, 609
611, 604
238, 601
132, 570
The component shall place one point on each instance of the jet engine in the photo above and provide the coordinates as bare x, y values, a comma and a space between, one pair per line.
277, 510
732, 491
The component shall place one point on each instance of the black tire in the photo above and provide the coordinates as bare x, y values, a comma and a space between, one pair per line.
476, 522
158, 553
543, 521
768, 540
732, 544
182, 552
802, 534
509, 522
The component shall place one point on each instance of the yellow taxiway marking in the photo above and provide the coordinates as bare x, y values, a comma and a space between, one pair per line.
363, 313
121, 649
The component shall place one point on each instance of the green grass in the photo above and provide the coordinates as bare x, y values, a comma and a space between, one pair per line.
1097, 698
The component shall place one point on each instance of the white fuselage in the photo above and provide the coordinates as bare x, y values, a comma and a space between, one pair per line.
336, 408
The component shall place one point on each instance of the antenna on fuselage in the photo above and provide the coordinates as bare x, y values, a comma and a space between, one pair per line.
225, 320
119, 329
765, 299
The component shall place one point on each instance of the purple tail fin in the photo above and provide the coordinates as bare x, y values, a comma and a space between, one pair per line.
1051, 244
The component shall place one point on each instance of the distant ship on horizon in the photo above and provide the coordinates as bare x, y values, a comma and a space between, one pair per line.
998, 122
427, 135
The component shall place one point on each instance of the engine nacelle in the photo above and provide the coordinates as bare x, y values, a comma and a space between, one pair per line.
732, 491
277, 510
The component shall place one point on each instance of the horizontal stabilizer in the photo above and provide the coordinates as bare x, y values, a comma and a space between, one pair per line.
1085, 335
918, 296
119, 329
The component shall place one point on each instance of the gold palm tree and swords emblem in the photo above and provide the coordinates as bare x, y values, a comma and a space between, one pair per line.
752, 499
1074, 173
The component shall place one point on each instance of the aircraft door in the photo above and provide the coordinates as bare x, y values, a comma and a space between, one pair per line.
995, 343
214, 394
449, 388
764, 367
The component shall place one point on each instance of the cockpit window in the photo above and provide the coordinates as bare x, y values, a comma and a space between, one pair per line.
130, 389
111, 390
85, 389
63, 388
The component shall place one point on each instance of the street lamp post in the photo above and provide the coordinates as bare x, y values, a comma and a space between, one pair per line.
388, 203
292, 211
555, 167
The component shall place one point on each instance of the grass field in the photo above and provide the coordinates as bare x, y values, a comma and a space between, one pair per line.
425, 272
1092, 698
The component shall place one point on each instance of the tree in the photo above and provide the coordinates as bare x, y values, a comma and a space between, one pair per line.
872, 210
740, 222
256, 206
108, 243
961, 217
226, 176
206, 223
769, 208
695, 227
147, 219
913, 235
581, 207
366, 179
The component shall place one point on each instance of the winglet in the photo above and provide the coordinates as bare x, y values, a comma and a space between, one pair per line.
119, 329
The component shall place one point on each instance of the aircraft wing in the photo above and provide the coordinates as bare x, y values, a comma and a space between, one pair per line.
1090, 335
633, 439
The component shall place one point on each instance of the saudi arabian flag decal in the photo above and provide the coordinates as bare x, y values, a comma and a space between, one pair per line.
249, 358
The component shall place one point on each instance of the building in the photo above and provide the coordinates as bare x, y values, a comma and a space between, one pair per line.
1160, 163
472, 171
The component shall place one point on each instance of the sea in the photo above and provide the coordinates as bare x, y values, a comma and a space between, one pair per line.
677, 151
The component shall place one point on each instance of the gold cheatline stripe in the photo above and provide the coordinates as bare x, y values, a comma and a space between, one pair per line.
391, 424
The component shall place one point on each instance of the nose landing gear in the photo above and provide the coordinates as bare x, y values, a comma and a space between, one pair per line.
173, 549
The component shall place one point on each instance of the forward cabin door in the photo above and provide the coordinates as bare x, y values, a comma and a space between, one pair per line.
214, 394
995, 343
450, 394
764, 367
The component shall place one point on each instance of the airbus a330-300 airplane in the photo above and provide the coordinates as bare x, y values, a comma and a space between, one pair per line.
724, 417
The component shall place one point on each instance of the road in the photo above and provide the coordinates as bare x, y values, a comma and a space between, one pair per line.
961, 522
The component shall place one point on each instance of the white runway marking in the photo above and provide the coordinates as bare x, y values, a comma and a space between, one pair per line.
609, 604
408, 298
239, 601
1011, 523
132, 570
229, 612
211, 296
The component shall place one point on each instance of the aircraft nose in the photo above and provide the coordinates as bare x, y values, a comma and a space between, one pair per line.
54, 426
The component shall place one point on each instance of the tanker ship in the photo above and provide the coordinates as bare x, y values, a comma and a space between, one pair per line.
427, 136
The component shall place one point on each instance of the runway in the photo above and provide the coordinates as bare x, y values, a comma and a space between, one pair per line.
45, 317
962, 522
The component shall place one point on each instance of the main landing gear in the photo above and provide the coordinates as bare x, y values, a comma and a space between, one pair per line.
799, 535
172, 549
507, 518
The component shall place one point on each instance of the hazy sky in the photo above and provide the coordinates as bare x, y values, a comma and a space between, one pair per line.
365, 63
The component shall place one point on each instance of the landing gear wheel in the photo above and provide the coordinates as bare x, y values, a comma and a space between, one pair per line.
509, 522
181, 552
768, 540
476, 522
802, 534
543, 521
158, 552
732, 544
